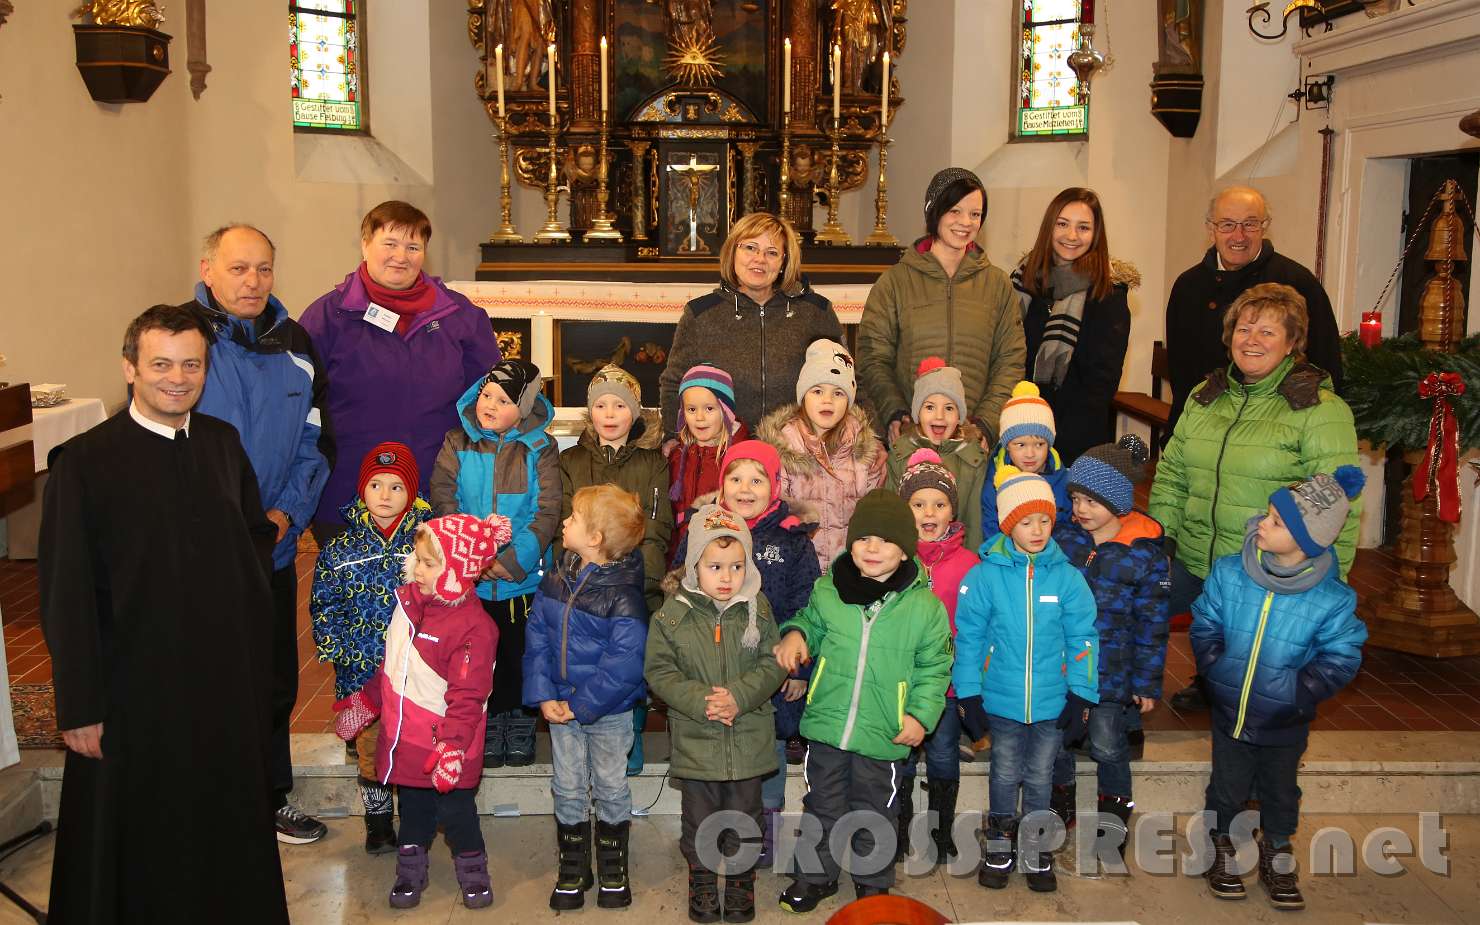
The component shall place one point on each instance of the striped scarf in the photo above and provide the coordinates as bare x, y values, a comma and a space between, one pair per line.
1068, 290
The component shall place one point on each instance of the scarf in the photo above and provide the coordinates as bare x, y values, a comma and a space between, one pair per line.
854, 588
1068, 289
1270, 575
408, 303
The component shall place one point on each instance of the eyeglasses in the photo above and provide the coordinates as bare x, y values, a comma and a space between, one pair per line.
1226, 226
752, 249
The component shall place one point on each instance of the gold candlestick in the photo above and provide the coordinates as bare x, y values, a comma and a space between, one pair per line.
784, 197
601, 226
554, 230
832, 232
880, 236
507, 233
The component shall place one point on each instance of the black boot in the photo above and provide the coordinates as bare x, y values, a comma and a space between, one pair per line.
1224, 883
611, 865
574, 877
1063, 802
906, 814
997, 862
1191, 698
942, 801
1278, 877
494, 727
380, 833
703, 894
1038, 865
519, 739
740, 896
1114, 822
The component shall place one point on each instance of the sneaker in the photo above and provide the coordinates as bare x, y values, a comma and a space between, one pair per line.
295, 828
802, 897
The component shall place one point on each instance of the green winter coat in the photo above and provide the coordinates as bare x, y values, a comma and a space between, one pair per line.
1235, 444
966, 460
971, 320
867, 673
684, 662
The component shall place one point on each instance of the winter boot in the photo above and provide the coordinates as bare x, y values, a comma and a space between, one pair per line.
1278, 877
380, 833
494, 727
411, 876
802, 897
519, 739
769, 820
611, 865
1038, 865
472, 879
634, 757
703, 894
740, 897
942, 800
1062, 802
574, 877
1114, 821
906, 814
997, 861
1224, 883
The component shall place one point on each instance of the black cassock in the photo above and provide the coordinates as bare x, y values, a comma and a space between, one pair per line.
155, 606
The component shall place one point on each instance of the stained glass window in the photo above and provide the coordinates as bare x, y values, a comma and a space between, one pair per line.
1047, 92
328, 64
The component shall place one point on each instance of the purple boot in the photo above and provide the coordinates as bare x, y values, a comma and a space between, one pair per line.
472, 877
411, 876
768, 837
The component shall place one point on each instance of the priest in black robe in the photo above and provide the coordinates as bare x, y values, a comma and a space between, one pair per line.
154, 563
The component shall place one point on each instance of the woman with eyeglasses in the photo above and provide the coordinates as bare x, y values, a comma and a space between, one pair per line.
755, 326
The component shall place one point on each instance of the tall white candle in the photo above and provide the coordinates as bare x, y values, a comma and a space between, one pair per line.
603, 74
550, 57
498, 64
884, 97
837, 80
542, 343
786, 76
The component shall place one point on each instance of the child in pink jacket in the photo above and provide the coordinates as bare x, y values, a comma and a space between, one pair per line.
430, 693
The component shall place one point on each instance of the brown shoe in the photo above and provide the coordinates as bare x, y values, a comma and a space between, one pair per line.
1277, 876
1224, 883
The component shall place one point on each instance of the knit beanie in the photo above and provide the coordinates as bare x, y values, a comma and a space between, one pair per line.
709, 523
392, 457
520, 380
1109, 473
884, 514
945, 178
925, 470
761, 452
467, 545
934, 377
1315, 509
1026, 414
1019, 494
828, 363
614, 380
717, 381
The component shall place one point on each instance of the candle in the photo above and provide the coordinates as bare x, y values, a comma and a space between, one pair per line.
603, 75
884, 97
498, 64
837, 74
1087, 12
542, 343
550, 56
1370, 332
786, 76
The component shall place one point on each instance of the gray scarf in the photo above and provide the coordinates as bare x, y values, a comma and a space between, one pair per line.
1068, 289
1270, 575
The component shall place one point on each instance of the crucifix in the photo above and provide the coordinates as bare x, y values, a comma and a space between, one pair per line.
694, 171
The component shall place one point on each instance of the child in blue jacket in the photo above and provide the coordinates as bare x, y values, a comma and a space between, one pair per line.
500, 460
1025, 441
583, 660
1025, 667
1274, 633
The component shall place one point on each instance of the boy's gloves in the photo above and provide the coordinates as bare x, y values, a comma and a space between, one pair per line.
1075, 719
353, 714
446, 767
973, 717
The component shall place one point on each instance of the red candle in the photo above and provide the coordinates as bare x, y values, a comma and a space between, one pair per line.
1370, 331
1087, 12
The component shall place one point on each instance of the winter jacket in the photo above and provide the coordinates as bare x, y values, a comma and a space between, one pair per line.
966, 460
1081, 405
1268, 659
761, 346
693, 647
1202, 294
636, 466
1129, 577
1054, 472
946, 563
970, 320
433, 686
586, 637
1025, 633
354, 592
515, 474
1235, 444
265, 379
832, 489
871, 666
693, 470
388, 386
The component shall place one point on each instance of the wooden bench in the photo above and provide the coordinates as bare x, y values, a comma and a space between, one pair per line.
1148, 409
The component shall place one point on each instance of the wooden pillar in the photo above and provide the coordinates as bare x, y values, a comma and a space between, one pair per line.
585, 68
804, 74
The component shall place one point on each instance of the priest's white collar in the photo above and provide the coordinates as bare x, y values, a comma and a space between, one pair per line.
164, 430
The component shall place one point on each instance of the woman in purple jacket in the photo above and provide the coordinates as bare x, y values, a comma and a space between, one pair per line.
398, 348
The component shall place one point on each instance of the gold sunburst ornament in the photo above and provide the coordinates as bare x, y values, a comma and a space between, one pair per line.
695, 60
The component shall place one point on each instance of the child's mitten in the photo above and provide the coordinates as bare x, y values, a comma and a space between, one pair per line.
353, 714
1075, 719
446, 767
973, 717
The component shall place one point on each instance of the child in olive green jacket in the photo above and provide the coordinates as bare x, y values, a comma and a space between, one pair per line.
709, 657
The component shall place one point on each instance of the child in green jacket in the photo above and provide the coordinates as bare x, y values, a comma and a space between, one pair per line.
709, 657
883, 649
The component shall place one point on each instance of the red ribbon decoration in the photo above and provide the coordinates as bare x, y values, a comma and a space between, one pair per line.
1442, 453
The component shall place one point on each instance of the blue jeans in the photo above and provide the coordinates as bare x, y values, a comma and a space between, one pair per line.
1107, 746
1022, 756
773, 786
592, 760
942, 748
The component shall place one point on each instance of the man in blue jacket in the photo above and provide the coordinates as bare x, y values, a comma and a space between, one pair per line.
264, 379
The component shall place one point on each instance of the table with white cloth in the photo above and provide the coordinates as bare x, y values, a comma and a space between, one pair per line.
50, 428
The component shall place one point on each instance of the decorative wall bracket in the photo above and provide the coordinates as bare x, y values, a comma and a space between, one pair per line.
122, 57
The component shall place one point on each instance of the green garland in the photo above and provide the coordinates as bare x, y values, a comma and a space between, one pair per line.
1381, 386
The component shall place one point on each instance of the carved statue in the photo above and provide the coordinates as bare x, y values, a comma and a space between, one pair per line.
689, 20
861, 26
526, 27
1178, 44
580, 177
803, 175
144, 13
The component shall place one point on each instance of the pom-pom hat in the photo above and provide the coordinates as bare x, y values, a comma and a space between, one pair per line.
925, 470
1026, 414
1315, 510
934, 377
1109, 473
1019, 494
395, 458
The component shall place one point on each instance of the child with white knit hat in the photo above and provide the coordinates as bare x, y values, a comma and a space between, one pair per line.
1025, 442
